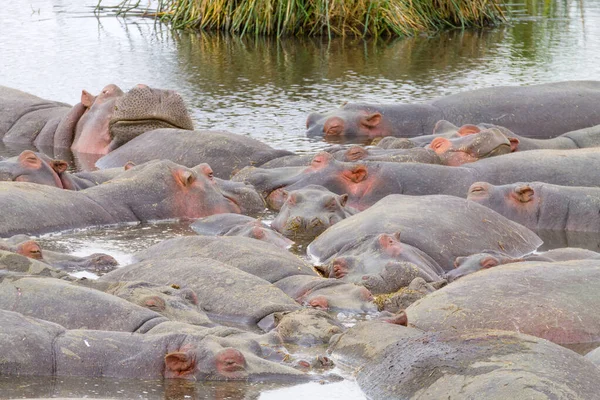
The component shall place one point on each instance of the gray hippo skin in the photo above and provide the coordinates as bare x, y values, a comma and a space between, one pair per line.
35, 347
367, 182
97, 125
225, 293
539, 205
443, 227
156, 190
74, 307
481, 364
307, 212
542, 111
225, 152
381, 263
288, 272
239, 225
39, 168
13, 264
552, 300
476, 262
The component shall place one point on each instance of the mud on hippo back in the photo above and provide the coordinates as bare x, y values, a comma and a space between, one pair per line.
545, 110
96, 125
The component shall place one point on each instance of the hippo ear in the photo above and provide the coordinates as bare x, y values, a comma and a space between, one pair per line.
488, 262
277, 317
87, 99
443, 126
180, 363
524, 193
155, 303
371, 120
514, 144
343, 199
397, 235
468, 129
128, 165
319, 302
356, 174
59, 166
440, 145
186, 178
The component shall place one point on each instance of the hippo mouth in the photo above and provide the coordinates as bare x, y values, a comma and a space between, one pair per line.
499, 150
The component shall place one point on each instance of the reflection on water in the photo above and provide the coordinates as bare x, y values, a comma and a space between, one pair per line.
265, 87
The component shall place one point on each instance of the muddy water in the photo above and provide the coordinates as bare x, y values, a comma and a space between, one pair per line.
264, 88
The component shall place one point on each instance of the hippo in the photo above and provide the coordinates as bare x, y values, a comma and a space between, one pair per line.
538, 111
367, 182
539, 205
551, 300
96, 125
381, 263
486, 364
249, 298
239, 225
38, 168
74, 307
13, 264
24, 245
442, 227
307, 212
476, 262
153, 191
35, 347
306, 327
289, 273
173, 302
226, 152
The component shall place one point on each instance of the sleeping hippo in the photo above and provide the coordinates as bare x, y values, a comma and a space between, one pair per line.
239, 225
286, 271
540, 111
96, 125
539, 205
153, 191
36, 347
38, 168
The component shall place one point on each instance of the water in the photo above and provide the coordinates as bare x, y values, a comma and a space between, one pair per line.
264, 88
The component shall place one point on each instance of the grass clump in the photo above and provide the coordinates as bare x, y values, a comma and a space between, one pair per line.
362, 18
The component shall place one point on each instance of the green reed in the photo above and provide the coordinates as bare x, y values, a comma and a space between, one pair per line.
363, 18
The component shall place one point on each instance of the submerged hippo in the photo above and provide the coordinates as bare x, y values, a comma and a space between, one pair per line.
539, 205
226, 152
381, 263
288, 272
38, 168
97, 125
443, 227
551, 300
153, 191
542, 111
367, 182
239, 225
35, 347
489, 259
307, 212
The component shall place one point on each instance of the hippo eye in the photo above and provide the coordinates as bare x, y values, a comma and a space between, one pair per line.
478, 189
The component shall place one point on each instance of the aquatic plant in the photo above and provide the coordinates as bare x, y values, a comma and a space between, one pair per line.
363, 18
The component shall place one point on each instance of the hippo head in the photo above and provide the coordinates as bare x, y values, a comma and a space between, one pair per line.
346, 122
306, 327
330, 294
34, 168
244, 195
113, 118
471, 147
307, 212
164, 190
473, 263
259, 231
518, 201
30, 249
